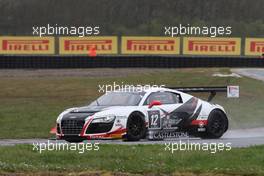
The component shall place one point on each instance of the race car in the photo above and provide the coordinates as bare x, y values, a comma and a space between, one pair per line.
139, 114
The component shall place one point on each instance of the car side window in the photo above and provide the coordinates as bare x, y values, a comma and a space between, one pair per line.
164, 98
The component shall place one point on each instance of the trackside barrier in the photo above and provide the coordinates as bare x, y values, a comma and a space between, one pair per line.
39, 61
132, 45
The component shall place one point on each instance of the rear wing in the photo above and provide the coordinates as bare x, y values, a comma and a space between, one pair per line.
232, 91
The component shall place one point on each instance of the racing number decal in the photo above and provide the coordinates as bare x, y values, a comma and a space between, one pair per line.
154, 119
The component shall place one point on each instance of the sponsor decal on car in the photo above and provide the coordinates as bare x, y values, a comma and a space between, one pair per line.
159, 135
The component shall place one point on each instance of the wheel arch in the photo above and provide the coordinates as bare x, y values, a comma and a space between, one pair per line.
223, 112
138, 112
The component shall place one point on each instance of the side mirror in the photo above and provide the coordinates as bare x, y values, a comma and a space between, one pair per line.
154, 103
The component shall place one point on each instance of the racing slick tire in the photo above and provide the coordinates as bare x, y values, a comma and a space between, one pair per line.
136, 128
217, 125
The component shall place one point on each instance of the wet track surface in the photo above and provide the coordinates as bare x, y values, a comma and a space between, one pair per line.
251, 72
236, 138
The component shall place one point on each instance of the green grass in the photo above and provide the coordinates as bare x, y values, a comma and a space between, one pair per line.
30, 105
140, 159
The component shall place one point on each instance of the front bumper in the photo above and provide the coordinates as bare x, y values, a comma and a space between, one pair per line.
88, 130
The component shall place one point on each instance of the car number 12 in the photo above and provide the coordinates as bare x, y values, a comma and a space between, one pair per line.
154, 119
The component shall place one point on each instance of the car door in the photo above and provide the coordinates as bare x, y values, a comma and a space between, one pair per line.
163, 116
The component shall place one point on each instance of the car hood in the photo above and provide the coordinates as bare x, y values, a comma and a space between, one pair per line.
81, 113
89, 109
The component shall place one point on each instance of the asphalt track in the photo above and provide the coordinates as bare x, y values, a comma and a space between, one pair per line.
250, 72
237, 138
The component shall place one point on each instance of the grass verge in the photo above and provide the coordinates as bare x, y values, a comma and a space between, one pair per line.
139, 159
30, 104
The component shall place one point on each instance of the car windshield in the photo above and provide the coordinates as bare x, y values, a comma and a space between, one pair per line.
119, 99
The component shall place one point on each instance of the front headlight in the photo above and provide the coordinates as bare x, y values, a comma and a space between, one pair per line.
104, 119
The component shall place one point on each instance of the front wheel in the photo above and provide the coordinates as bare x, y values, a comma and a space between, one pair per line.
217, 125
136, 128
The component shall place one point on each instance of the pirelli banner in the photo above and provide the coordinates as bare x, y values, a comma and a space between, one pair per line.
211, 46
82, 45
254, 46
27, 45
150, 45
131, 45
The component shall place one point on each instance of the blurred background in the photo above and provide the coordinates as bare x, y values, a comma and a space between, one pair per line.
137, 17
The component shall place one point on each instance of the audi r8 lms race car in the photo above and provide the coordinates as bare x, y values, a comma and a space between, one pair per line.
150, 113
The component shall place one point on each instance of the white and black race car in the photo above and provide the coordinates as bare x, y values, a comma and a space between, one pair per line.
138, 114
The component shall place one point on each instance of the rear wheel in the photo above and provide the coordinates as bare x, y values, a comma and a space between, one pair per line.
217, 125
136, 128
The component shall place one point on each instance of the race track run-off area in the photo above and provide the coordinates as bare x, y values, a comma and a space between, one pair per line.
237, 137
31, 100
